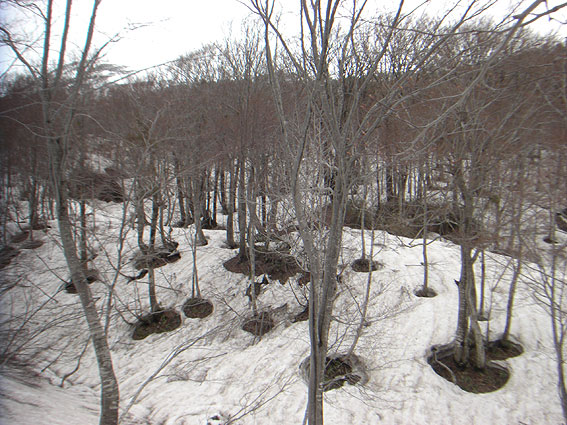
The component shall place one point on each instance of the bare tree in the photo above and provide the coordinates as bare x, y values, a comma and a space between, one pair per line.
330, 128
59, 102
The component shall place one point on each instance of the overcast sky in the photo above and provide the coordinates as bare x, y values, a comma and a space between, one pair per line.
174, 27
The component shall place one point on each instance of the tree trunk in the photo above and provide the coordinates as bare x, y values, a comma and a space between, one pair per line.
362, 322
197, 186
390, 192
242, 211
154, 305
481, 312
516, 236
230, 207
140, 215
195, 290
461, 350
561, 384
222, 189
109, 384
251, 206
83, 255
363, 218
252, 262
33, 216
215, 193
320, 318
511, 293
183, 220
422, 184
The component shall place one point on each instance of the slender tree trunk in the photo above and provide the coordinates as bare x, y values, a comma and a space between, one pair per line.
271, 224
215, 194
402, 183
423, 189
33, 201
558, 328
222, 189
481, 312
154, 305
479, 359
519, 260
230, 207
252, 262
561, 383
242, 211
205, 190
461, 345
195, 290
164, 238
109, 384
197, 210
251, 206
363, 222
83, 234
364, 313
558, 342
180, 196
140, 215
390, 192
511, 293
154, 222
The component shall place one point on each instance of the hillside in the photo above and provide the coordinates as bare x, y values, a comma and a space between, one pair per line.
210, 371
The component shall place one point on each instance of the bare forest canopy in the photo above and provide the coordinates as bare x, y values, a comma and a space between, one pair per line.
423, 128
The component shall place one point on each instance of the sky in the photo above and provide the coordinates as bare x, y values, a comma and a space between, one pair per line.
167, 29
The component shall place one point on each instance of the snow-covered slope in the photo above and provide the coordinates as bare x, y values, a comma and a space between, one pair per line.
210, 370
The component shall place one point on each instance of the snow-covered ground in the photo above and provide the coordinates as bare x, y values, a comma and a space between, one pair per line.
210, 368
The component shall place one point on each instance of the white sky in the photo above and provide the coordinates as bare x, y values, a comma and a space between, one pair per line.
175, 27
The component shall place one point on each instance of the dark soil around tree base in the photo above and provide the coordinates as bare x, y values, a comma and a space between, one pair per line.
257, 288
276, 265
468, 378
303, 316
502, 350
259, 325
31, 244
6, 255
160, 257
91, 275
38, 225
425, 293
364, 265
339, 369
197, 308
20, 237
210, 224
155, 323
304, 279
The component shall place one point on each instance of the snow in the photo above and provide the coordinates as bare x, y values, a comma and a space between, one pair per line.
209, 371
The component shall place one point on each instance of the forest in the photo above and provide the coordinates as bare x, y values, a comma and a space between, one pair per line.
344, 218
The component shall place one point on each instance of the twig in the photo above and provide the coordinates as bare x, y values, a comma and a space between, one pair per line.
439, 362
67, 375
